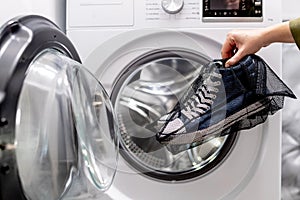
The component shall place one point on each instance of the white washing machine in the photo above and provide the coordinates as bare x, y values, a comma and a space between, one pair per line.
145, 53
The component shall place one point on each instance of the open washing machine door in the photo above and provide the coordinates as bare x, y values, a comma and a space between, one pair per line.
58, 132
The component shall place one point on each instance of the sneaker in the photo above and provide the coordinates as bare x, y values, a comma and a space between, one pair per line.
219, 102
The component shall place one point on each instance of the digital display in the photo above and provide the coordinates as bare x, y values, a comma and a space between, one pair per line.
232, 8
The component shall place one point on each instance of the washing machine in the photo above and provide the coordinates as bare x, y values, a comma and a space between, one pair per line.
145, 53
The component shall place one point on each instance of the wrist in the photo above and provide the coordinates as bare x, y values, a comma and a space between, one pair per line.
265, 37
277, 33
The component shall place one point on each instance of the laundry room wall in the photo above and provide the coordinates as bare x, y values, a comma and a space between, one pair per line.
290, 9
291, 113
53, 9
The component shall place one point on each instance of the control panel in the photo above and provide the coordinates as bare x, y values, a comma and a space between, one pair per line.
172, 13
172, 9
207, 10
232, 10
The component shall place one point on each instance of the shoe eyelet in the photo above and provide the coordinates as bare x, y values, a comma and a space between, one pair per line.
216, 90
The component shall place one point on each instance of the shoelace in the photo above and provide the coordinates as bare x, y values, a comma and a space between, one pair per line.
203, 98
194, 104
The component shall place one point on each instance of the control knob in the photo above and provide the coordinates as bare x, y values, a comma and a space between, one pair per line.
172, 6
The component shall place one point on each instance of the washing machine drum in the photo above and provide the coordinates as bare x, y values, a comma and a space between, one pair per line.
58, 136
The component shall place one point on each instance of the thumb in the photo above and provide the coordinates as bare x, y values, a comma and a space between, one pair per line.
234, 59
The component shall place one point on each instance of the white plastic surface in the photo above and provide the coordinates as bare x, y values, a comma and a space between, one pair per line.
94, 13
254, 162
252, 171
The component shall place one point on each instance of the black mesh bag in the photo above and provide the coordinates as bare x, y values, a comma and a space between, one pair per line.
219, 102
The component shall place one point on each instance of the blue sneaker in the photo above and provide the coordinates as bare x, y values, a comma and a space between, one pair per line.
219, 102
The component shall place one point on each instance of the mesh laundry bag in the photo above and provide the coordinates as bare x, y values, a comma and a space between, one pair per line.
219, 102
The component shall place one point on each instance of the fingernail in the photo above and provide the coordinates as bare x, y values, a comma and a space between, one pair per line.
227, 64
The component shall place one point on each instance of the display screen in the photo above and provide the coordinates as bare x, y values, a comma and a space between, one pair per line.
232, 8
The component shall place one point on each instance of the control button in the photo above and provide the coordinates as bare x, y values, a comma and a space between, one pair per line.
257, 3
257, 11
172, 6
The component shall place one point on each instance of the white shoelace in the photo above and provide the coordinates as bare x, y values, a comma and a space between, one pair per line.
203, 99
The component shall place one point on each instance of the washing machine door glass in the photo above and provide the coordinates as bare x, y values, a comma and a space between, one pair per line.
149, 88
66, 135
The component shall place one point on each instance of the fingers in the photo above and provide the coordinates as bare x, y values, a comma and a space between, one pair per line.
240, 43
229, 47
234, 59
234, 47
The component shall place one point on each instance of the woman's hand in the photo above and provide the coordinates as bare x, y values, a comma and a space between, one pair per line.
240, 43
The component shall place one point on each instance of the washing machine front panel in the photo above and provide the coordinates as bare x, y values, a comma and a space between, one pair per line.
58, 135
141, 61
251, 168
129, 14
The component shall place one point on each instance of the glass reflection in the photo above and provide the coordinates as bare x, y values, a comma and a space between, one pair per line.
66, 135
143, 96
